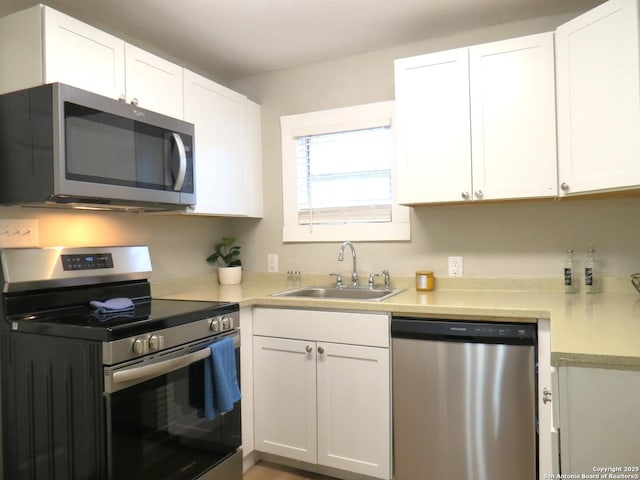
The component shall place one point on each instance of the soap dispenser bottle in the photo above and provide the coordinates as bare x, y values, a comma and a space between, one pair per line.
570, 280
591, 274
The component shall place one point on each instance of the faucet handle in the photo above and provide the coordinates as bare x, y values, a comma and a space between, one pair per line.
372, 276
387, 279
338, 278
385, 274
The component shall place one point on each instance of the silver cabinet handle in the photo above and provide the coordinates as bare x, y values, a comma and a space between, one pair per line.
182, 168
320, 350
134, 101
546, 396
564, 187
308, 349
479, 193
465, 195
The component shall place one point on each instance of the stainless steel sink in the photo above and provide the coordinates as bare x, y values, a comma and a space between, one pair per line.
341, 293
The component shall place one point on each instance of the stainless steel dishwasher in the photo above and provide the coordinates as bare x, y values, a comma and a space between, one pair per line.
464, 400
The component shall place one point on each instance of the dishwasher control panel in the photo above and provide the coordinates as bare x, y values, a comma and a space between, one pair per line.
467, 331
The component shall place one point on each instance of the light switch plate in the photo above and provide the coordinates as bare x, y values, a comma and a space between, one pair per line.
18, 232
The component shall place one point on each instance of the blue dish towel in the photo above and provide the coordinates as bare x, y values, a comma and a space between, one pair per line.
114, 305
221, 389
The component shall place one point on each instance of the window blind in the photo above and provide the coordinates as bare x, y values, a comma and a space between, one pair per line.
345, 177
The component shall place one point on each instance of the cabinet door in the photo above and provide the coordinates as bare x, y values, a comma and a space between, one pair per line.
433, 132
548, 455
21, 47
513, 126
285, 397
597, 65
353, 408
82, 56
154, 83
220, 150
599, 420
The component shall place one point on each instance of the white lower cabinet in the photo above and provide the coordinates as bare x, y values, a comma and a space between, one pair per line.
548, 449
285, 397
319, 397
599, 420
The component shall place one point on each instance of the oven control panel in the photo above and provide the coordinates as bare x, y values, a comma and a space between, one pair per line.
159, 341
86, 261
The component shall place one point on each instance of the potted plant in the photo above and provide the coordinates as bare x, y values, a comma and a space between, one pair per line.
226, 256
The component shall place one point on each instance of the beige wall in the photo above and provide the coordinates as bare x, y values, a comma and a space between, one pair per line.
520, 239
178, 245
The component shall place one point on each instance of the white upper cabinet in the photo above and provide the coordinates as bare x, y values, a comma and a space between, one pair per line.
40, 45
227, 149
254, 194
83, 56
598, 89
432, 127
153, 82
51, 47
513, 130
477, 123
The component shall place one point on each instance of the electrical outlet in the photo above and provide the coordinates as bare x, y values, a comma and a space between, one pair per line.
18, 232
455, 266
272, 262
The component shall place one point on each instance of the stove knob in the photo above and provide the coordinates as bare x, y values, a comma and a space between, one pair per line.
214, 325
156, 342
140, 346
227, 323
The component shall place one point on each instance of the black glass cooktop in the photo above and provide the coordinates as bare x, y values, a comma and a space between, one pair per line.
84, 322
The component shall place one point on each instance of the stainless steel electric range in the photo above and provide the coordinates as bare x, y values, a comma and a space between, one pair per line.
101, 381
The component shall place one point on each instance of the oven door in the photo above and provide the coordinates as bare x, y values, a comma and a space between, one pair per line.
156, 428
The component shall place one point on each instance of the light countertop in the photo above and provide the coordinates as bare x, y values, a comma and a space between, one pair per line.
601, 330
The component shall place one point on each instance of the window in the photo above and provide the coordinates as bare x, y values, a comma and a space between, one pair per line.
338, 176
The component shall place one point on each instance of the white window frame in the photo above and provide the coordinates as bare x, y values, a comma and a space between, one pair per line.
331, 121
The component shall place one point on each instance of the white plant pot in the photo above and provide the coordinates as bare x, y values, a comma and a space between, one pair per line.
229, 275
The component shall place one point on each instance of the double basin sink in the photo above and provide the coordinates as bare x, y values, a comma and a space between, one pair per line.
371, 294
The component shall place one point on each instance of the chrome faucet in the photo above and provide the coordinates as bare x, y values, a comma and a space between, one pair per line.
354, 274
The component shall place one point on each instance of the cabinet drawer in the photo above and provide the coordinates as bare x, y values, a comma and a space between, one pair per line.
355, 328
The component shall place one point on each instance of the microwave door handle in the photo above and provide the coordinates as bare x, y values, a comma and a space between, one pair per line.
182, 169
160, 368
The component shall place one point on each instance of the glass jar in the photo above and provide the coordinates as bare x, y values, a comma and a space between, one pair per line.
425, 281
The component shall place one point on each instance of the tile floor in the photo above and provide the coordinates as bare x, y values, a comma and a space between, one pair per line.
269, 471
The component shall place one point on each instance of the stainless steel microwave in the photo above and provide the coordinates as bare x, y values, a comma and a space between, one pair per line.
63, 146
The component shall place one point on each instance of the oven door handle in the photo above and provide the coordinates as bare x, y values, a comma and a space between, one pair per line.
160, 368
